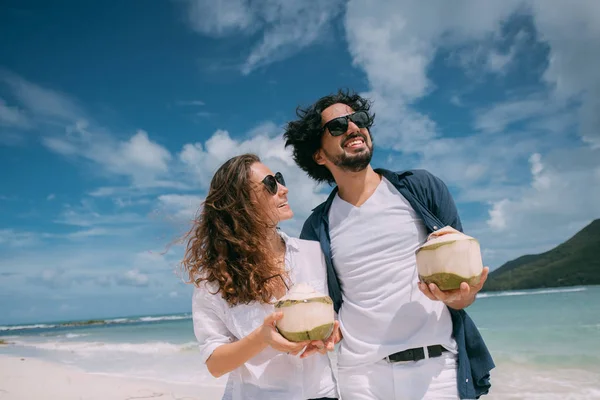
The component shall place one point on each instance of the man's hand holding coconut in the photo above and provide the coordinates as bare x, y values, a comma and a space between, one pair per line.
450, 268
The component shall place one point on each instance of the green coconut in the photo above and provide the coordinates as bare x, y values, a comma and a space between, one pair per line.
307, 314
449, 258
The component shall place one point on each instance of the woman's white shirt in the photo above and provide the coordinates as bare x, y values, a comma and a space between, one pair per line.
270, 374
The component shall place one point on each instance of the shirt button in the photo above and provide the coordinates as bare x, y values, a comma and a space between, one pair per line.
467, 380
435, 228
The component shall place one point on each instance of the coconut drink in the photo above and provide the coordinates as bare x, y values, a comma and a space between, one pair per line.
448, 258
307, 314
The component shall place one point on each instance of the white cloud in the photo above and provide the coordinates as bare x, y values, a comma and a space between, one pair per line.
87, 233
395, 42
482, 167
18, 238
489, 54
61, 146
498, 62
497, 214
153, 261
12, 238
218, 17
13, 117
266, 128
181, 206
572, 31
541, 181
134, 277
455, 100
140, 152
42, 102
54, 277
139, 158
191, 103
501, 116
88, 216
286, 26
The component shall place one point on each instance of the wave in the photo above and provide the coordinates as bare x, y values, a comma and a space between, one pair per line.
528, 292
75, 335
102, 347
95, 322
21, 327
166, 318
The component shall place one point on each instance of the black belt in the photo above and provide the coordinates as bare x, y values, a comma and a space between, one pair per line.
416, 354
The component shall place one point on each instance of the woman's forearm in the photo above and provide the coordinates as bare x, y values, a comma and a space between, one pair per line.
230, 356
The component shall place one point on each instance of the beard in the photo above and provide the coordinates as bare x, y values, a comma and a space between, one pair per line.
352, 162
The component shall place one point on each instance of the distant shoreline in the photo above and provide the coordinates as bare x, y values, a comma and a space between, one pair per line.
484, 290
94, 322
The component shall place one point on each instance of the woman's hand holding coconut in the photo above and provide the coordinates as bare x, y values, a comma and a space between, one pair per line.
269, 336
450, 268
323, 346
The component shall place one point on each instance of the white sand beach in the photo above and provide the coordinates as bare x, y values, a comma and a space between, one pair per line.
23, 378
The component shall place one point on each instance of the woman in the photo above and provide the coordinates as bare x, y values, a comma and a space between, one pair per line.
241, 264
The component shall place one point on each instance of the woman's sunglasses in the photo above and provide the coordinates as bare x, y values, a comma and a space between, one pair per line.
271, 182
338, 126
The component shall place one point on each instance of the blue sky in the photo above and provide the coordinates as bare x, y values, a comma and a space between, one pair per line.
113, 118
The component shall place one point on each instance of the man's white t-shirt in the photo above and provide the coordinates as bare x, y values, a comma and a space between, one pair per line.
373, 250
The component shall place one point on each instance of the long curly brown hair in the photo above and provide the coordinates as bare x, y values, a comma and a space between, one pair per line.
228, 244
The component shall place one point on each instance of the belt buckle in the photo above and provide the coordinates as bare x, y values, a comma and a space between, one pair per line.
435, 351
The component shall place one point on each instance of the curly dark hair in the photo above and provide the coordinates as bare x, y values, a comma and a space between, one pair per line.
228, 243
304, 134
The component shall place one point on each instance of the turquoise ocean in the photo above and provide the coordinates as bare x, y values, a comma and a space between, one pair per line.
546, 344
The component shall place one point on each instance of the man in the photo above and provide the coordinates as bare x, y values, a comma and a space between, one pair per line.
399, 338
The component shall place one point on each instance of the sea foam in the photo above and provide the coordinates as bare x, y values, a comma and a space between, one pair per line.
103, 347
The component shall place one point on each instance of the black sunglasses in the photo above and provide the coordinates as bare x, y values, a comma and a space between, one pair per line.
338, 126
271, 182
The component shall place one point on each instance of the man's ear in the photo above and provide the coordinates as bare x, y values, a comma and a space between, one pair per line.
318, 157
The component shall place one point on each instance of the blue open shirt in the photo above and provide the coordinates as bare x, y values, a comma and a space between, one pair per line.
430, 198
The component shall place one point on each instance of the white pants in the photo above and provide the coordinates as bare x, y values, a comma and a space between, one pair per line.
433, 378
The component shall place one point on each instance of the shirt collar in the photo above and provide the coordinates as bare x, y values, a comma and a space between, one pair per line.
289, 241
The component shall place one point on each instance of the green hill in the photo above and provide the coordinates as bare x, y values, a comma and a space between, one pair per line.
574, 262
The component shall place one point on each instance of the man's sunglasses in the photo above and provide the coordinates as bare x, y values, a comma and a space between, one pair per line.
271, 182
338, 126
